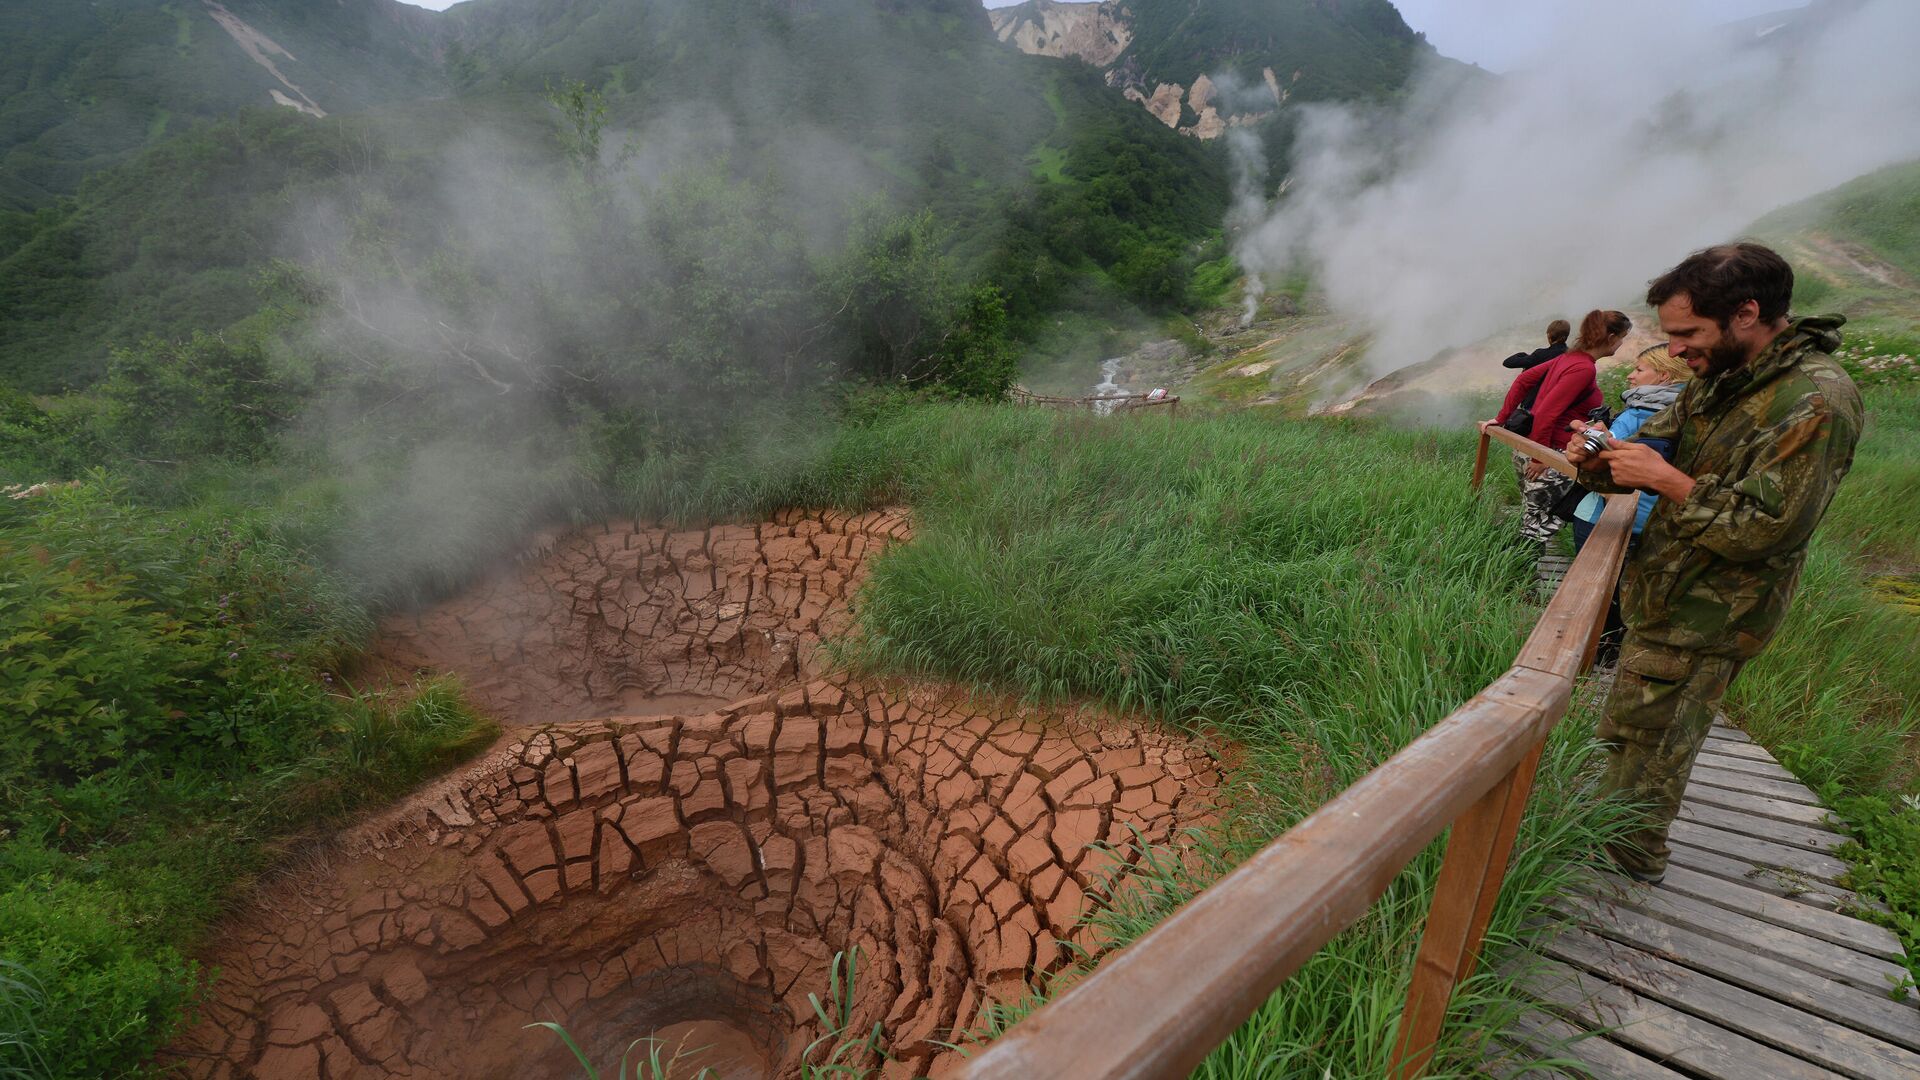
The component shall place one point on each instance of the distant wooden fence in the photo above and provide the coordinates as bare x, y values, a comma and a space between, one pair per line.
1158, 1007
1116, 403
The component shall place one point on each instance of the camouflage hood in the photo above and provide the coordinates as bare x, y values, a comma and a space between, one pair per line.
1806, 335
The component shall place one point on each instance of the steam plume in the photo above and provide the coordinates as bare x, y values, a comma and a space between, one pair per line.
1638, 136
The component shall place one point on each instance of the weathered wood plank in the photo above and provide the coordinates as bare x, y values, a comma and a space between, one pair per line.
1658, 1030
1733, 734
1779, 832
1745, 765
1567, 1050
1790, 790
1751, 751
1763, 852
1818, 817
1822, 1042
1874, 1013
1798, 887
1753, 935
1856, 934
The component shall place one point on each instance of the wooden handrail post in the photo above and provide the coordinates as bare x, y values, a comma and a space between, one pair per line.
1480, 461
1481, 840
1600, 617
1154, 1010
1474, 868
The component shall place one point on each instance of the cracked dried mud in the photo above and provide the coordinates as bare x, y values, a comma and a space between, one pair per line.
686, 822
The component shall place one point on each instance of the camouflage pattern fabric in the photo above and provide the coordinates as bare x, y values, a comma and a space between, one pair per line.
1767, 446
1662, 704
1537, 497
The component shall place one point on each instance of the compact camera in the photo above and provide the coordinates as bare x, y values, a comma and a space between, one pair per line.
1595, 439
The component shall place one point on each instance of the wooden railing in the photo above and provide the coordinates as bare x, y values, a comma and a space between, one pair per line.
1114, 403
1156, 1008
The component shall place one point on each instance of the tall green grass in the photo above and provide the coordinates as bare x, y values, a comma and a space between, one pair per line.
1837, 694
1319, 592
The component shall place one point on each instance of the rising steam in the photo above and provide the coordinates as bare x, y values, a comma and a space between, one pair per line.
1637, 136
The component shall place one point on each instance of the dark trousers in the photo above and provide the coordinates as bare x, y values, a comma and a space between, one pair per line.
1662, 702
1616, 630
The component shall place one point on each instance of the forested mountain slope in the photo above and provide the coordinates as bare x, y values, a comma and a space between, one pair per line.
1041, 180
83, 85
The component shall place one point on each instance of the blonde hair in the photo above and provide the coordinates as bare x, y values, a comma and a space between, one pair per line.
1669, 368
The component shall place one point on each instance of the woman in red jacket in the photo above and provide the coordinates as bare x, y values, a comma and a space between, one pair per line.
1567, 390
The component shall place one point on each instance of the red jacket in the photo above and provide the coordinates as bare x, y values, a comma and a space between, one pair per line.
1569, 390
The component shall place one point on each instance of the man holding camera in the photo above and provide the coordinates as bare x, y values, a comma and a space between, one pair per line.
1761, 438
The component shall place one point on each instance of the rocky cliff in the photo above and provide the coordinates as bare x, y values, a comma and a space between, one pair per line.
1203, 66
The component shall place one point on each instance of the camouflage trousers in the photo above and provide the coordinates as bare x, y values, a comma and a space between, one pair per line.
1538, 496
1662, 704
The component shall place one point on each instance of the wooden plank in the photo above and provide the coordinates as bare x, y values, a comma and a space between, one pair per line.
1478, 847
1822, 1042
1565, 1049
1658, 1030
1748, 750
1763, 852
1732, 734
1790, 790
1797, 887
1874, 1013
1780, 832
1553, 459
1746, 765
1746, 932
1825, 924
1797, 813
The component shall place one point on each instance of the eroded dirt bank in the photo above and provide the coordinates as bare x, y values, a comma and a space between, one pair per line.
626, 872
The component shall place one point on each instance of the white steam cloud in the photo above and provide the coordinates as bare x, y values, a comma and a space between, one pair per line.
1478, 203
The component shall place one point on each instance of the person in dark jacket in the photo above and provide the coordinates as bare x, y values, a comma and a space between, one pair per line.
1557, 332
1565, 389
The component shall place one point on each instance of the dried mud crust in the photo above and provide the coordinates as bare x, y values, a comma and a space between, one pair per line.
629, 874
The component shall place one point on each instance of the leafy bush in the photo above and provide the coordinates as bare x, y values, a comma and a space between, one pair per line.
166, 675
206, 396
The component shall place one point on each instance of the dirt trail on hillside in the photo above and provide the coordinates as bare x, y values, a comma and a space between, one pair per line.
625, 868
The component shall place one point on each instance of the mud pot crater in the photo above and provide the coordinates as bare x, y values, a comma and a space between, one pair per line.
685, 824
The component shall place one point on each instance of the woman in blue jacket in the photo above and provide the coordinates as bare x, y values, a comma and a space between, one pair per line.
1653, 384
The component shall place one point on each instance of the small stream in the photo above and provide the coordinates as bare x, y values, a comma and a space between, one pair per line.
1108, 388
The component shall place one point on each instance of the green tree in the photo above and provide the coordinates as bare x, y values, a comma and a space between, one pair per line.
204, 397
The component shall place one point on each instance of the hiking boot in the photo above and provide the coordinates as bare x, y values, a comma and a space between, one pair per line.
1626, 864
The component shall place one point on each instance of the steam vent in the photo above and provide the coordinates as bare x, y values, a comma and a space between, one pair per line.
683, 827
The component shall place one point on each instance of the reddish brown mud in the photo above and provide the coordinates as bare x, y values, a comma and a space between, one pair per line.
639, 861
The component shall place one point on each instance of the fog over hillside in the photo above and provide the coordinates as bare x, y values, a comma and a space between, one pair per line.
1635, 136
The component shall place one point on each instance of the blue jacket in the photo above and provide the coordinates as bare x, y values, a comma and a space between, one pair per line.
1624, 427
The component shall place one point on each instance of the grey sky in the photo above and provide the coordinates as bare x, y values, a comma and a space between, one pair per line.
1495, 34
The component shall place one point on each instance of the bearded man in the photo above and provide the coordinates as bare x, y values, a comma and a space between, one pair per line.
1761, 438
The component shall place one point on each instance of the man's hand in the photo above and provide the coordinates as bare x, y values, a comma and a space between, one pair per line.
1576, 449
1536, 469
1637, 465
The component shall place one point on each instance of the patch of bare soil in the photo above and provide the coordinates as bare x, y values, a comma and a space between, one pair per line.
630, 866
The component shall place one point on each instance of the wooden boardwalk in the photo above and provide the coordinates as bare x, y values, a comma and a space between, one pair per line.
1745, 963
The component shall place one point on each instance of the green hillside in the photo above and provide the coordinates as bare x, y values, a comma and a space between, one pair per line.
845, 102
1857, 248
84, 85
